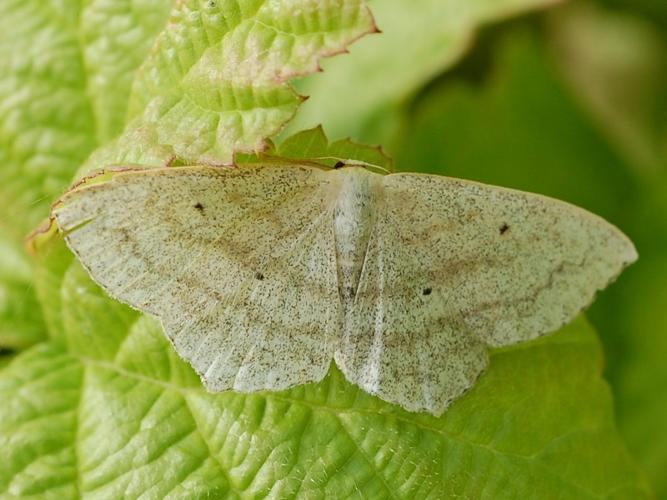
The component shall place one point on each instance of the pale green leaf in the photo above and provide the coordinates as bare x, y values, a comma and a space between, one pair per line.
65, 76
21, 323
216, 80
46, 124
116, 36
360, 95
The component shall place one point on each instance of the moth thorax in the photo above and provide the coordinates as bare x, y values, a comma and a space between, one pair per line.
353, 223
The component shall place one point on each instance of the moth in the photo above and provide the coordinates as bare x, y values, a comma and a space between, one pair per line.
261, 275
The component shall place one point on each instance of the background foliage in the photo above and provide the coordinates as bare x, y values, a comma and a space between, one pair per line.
568, 100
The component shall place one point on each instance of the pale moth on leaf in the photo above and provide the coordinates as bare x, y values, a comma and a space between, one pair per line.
262, 274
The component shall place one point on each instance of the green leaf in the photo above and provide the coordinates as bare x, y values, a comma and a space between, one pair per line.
640, 377
361, 94
21, 323
47, 123
312, 144
633, 316
65, 75
45, 131
116, 37
110, 410
216, 81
